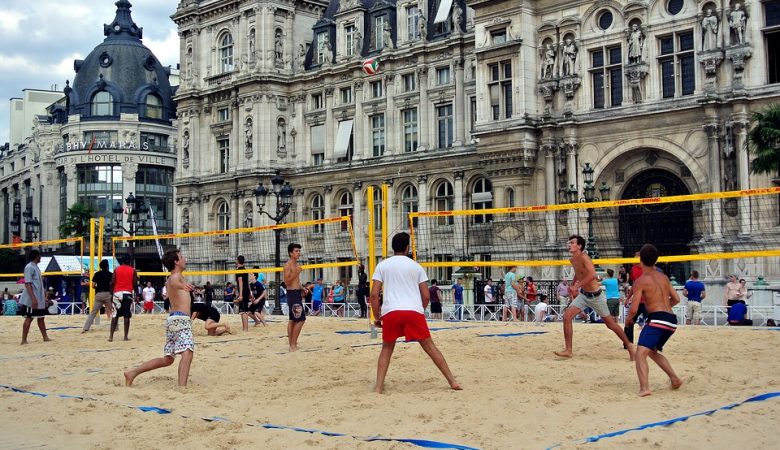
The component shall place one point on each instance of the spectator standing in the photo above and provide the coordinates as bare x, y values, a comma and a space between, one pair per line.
732, 293
362, 290
166, 300
316, 297
229, 296
563, 292
744, 290
613, 294
433, 294
148, 294
488, 290
457, 295
530, 294
339, 297
694, 291
510, 293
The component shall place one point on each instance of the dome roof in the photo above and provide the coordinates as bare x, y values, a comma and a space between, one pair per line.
124, 68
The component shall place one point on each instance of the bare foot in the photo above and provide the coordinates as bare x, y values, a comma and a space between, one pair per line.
645, 393
110, 339
676, 383
564, 354
23, 343
129, 377
378, 389
83, 331
455, 386
127, 339
293, 348
631, 352
47, 340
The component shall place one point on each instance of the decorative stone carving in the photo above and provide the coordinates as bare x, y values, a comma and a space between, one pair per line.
569, 53
737, 56
129, 170
636, 44
185, 147
457, 17
281, 138
710, 61
636, 74
709, 31
737, 23
548, 88
300, 62
569, 86
248, 138
278, 49
548, 62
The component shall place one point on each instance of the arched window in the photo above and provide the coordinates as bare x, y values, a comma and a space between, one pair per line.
510, 200
444, 200
318, 212
154, 107
226, 53
482, 198
223, 216
346, 207
409, 204
102, 104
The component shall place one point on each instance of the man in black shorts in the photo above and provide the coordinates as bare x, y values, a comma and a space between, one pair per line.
211, 316
33, 301
242, 286
259, 294
295, 294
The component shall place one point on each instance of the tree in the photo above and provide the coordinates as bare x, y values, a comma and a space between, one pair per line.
764, 140
76, 220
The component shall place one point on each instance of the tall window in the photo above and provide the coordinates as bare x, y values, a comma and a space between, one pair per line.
223, 144
500, 90
349, 42
473, 112
378, 134
410, 82
321, 47
98, 186
154, 142
379, 32
410, 129
444, 200
317, 144
772, 40
346, 96
377, 90
317, 102
482, 198
444, 125
409, 202
318, 213
102, 104
377, 207
346, 208
223, 114
678, 70
223, 216
154, 185
154, 107
412, 23
226, 53
443, 76
607, 75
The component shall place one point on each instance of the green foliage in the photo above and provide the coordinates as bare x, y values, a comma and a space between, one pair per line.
764, 140
76, 220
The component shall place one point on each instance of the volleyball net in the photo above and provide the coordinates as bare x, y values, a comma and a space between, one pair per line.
59, 257
326, 243
733, 229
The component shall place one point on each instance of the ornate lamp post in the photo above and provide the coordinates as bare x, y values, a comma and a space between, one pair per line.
284, 194
588, 196
135, 219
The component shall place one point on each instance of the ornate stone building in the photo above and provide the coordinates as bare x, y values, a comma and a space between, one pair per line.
476, 104
111, 134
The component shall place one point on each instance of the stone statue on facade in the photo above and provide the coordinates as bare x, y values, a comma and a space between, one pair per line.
636, 44
387, 36
185, 147
548, 62
569, 51
421, 25
457, 17
737, 22
281, 135
248, 141
278, 49
301, 57
252, 45
709, 30
357, 42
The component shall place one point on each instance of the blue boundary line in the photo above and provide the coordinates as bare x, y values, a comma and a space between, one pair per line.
162, 411
524, 333
665, 423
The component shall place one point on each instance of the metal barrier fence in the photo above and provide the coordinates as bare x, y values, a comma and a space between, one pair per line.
710, 315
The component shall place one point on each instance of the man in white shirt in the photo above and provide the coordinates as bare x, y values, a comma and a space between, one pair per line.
148, 295
403, 310
542, 311
489, 291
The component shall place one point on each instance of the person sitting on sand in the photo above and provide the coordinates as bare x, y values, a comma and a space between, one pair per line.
659, 297
211, 316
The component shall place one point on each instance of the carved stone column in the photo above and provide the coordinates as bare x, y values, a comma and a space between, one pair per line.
636, 73
422, 193
460, 221
739, 127
548, 88
713, 147
331, 126
391, 112
460, 128
550, 148
425, 130
710, 61
358, 126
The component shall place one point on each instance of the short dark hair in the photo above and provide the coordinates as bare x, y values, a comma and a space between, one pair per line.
292, 247
400, 242
33, 255
610, 272
695, 274
530, 278
433, 281
580, 241
103, 264
124, 259
169, 258
240, 259
648, 254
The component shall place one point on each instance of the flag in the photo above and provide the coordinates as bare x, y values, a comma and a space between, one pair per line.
91, 144
371, 66
156, 239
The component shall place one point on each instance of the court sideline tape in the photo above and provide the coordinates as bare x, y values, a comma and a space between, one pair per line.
664, 423
418, 442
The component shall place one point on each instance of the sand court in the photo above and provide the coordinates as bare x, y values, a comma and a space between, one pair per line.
517, 394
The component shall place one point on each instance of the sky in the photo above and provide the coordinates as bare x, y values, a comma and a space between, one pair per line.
40, 39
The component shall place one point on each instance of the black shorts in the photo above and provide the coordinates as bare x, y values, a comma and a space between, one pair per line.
213, 314
257, 307
30, 313
243, 306
126, 307
295, 310
435, 308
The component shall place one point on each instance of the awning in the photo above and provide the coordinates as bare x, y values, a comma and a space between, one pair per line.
444, 11
342, 139
66, 264
112, 263
318, 139
44, 263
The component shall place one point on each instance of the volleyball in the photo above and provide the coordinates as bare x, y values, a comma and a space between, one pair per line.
371, 66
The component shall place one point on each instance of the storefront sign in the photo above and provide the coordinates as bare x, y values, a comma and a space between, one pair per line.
115, 158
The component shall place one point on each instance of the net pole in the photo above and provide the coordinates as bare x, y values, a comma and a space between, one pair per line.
384, 220
91, 265
371, 256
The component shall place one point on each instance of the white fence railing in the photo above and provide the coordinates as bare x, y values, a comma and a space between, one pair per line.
710, 315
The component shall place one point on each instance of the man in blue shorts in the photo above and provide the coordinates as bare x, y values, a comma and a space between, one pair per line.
316, 298
659, 297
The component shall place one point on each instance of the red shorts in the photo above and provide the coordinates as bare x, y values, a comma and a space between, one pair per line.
148, 306
410, 324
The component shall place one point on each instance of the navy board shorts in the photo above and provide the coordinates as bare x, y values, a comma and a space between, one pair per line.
295, 310
661, 325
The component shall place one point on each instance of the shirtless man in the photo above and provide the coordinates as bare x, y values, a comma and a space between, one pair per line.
178, 327
295, 294
586, 292
659, 295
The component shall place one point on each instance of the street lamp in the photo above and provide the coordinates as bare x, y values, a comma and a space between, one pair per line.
32, 226
589, 196
135, 219
284, 194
